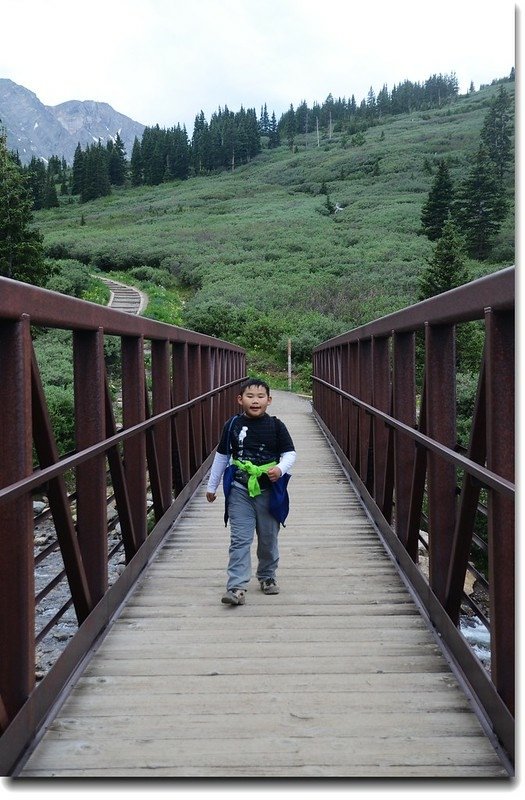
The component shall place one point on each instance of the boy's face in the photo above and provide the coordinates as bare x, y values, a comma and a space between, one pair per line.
254, 401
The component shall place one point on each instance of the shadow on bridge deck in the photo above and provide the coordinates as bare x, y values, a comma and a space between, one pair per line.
336, 676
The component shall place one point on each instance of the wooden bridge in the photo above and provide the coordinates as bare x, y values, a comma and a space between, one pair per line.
358, 668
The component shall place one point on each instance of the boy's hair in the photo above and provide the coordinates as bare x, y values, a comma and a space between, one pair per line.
253, 382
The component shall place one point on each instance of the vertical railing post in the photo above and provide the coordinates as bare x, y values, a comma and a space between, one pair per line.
354, 412
440, 371
90, 428
500, 459
17, 589
381, 400
346, 405
180, 396
206, 405
133, 412
194, 381
218, 398
404, 409
365, 421
161, 396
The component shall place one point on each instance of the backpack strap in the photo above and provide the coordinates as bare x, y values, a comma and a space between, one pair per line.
229, 438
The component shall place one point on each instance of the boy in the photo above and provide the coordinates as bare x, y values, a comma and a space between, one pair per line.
257, 451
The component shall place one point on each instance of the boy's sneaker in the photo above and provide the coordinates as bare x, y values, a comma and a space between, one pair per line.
234, 597
269, 586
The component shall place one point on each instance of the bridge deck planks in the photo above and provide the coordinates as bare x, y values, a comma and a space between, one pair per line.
336, 676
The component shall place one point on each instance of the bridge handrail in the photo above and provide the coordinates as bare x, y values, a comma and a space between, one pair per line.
45, 474
484, 476
56, 310
464, 304
177, 387
387, 400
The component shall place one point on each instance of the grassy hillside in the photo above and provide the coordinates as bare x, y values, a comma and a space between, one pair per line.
254, 255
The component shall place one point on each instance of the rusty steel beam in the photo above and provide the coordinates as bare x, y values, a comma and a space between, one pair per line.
17, 586
500, 458
464, 304
426, 457
58, 310
133, 413
487, 477
354, 412
118, 480
468, 505
161, 401
417, 492
90, 428
19, 488
206, 404
365, 393
195, 389
381, 391
404, 409
440, 371
47, 454
153, 468
25, 422
181, 423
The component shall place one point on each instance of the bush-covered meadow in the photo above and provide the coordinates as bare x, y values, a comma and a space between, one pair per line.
300, 244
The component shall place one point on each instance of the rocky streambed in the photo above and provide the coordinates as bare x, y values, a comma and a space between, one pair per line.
46, 571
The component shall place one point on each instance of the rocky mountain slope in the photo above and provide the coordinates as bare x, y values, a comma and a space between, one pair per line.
34, 129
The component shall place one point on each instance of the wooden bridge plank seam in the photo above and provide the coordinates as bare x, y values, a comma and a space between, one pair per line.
337, 676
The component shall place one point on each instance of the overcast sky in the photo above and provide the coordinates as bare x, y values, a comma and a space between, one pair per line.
162, 61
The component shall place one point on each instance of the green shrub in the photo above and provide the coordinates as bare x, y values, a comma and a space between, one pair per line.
53, 349
220, 319
158, 277
70, 277
61, 408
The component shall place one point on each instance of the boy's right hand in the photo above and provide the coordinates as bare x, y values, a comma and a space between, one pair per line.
210, 496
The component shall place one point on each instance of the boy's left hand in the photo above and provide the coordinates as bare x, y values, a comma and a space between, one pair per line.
274, 473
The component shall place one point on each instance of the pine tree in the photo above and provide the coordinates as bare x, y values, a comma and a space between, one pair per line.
153, 155
21, 245
252, 133
200, 144
438, 204
447, 267
78, 170
480, 206
289, 126
264, 121
371, 102
37, 182
117, 165
51, 196
301, 118
383, 101
95, 178
229, 140
177, 153
496, 134
274, 140
136, 164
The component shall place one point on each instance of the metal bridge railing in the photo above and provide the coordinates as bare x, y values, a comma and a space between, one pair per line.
143, 442
386, 395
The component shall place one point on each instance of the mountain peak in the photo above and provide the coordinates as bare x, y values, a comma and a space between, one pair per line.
34, 129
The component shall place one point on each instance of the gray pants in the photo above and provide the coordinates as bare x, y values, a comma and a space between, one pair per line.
248, 515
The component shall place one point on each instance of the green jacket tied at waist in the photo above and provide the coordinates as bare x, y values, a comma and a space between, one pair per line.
254, 472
